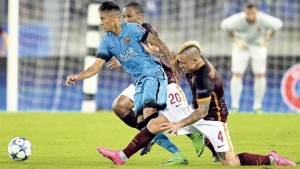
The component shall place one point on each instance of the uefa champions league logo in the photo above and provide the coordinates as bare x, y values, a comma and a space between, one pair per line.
290, 87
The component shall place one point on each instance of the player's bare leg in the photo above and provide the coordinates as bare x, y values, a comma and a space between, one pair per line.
123, 109
236, 87
272, 158
259, 91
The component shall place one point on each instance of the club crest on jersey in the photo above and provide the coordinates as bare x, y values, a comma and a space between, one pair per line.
290, 87
126, 39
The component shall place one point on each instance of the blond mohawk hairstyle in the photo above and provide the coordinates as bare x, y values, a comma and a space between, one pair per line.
190, 43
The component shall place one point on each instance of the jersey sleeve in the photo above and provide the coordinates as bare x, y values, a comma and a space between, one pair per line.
1, 30
271, 21
104, 51
150, 29
232, 23
138, 32
204, 89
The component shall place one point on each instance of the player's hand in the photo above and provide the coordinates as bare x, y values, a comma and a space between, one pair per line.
263, 42
171, 128
71, 79
242, 45
147, 48
114, 63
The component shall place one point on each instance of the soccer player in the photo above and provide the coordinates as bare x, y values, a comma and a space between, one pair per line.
4, 42
124, 103
122, 40
250, 32
208, 115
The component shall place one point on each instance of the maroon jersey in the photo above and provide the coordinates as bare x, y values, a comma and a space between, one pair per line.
206, 83
1, 30
165, 65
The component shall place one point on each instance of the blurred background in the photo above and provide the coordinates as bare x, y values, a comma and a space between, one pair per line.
52, 38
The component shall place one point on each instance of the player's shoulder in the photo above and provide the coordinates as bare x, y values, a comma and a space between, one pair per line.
130, 25
262, 15
240, 15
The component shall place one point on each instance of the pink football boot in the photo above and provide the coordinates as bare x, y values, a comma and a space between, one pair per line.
280, 161
112, 155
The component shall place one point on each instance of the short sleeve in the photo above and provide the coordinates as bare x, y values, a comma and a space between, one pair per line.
150, 28
104, 51
138, 32
204, 89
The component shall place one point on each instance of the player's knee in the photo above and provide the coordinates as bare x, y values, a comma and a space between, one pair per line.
119, 109
153, 126
231, 162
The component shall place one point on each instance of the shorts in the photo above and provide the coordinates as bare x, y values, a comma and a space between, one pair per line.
256, 55
150, 92
217, 132
175, 95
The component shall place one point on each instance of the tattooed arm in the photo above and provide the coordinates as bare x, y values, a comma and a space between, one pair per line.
166, 54
197, 115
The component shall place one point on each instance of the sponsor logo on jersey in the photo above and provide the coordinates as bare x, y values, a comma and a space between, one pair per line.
202, 91
126, 39
129, 53
290, 87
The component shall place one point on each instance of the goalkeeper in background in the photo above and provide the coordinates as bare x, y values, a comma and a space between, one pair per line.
250, 32
4, 42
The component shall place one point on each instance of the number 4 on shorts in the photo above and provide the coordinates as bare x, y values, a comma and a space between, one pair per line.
220, 136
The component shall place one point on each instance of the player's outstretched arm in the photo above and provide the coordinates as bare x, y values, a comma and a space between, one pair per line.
91, 71
197, 115
153, 40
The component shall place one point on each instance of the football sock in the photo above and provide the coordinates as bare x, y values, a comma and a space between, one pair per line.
209, 145
142, 139
236, 87
144, 123
164, 141
259, 91
130, 119
254, 159
123, 156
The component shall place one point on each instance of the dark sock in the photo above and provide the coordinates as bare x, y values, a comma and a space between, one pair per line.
142, 139
130, 119
144, 123
254, 159
209, 145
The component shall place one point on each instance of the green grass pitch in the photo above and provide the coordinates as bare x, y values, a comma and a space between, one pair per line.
69, 140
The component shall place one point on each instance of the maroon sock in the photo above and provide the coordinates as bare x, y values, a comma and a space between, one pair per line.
130, 119
253, 159
142, 139
210, 146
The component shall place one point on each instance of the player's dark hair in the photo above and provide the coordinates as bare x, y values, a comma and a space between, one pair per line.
136, 6
109, 7
251, 5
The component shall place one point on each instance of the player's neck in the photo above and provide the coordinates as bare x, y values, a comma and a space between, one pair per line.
201, 64
117, 30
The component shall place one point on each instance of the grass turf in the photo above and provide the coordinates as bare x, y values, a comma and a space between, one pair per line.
69, 140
